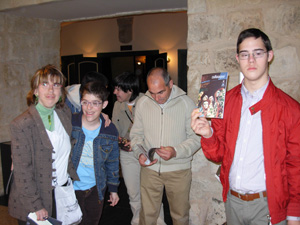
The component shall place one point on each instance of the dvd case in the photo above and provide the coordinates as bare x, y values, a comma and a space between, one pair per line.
211, 97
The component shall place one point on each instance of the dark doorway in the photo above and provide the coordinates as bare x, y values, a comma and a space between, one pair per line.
74, 67
182, 69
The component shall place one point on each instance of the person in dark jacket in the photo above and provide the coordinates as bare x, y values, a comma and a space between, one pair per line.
95, 154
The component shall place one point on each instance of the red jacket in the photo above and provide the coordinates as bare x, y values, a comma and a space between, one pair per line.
280, 116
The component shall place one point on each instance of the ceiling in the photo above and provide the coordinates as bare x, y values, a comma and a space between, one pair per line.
72, 10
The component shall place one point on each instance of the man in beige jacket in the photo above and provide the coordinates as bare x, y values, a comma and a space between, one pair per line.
162, 121
126, 89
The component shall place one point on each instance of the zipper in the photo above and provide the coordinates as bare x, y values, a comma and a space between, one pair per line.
161, 133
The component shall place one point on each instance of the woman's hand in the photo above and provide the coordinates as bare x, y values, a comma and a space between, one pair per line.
42, 214
113, 198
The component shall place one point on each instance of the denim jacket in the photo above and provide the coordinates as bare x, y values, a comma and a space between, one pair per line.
106, 154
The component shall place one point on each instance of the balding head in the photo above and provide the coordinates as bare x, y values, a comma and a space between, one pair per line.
159, 85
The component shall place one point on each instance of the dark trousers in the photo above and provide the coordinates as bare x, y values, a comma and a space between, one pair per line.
90, 205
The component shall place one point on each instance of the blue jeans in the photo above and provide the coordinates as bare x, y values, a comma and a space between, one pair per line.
90, 205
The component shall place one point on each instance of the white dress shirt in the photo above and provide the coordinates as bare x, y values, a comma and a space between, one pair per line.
247, 172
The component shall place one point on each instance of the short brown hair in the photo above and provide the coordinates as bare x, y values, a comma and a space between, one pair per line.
95, 88
42, 75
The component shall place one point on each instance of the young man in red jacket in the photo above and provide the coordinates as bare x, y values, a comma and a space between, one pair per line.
257, 141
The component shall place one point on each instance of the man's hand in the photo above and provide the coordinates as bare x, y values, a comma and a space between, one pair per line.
166, 153
42, 214
113, 198
200, 124
143, 159
107, 120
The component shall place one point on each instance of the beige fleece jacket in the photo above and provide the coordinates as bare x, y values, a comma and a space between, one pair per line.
169, 126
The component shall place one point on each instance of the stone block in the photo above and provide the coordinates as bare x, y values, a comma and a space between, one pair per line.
233, 80
216, 212
48, 40
21, 47
21, 25
240, 20
281, 65
207, 206
2, 22
197, 6
3, 49
5, 4
199, 160
49, 25
286, 20
49, 58
289, 86
224, 5
225, 60
205, 28
199, 57
198, 211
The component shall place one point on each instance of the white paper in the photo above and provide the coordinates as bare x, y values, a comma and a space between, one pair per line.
34, 218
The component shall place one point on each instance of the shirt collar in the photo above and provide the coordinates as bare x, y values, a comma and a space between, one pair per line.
257, 94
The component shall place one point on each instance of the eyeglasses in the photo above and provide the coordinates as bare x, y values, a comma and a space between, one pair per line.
256, 54
95, 104
47, 85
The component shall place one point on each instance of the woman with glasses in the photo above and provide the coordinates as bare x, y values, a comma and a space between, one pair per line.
40, 143
95, 154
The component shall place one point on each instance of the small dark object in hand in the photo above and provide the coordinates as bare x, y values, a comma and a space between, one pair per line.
122, 141
151, 154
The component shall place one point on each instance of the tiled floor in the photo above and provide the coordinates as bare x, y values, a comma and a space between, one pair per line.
118, 215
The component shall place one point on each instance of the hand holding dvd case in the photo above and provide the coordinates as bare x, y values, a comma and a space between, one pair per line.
148, 154
211, 98
122, 144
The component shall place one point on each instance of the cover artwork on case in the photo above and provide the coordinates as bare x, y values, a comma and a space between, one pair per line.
211, 98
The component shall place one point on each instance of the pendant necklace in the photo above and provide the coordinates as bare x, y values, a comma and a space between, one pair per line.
49, 120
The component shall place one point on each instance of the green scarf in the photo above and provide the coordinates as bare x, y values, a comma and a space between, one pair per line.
47, 116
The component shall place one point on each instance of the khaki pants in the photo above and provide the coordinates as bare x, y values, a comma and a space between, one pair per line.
131, 173
177, 185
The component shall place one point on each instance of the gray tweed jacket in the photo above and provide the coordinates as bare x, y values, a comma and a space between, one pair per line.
31, 187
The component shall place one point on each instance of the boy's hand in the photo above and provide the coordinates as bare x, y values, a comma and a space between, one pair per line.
200, 124
113, 198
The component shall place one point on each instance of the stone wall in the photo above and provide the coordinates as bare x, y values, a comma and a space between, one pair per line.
8, 4
25, 45
213, 28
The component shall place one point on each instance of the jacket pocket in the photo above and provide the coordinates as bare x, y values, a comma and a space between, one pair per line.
105, 150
